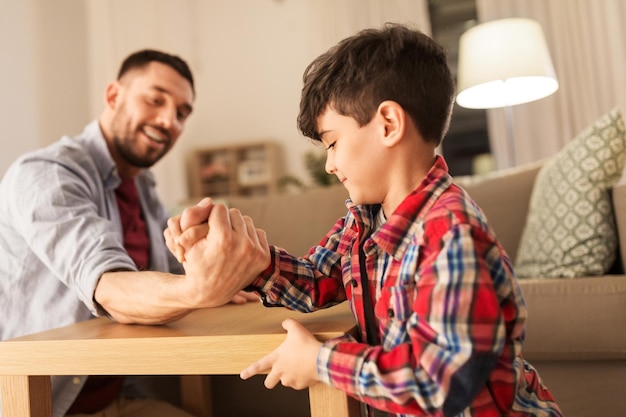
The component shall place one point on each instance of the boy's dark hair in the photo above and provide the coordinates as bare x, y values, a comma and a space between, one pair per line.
393, 63
142, 58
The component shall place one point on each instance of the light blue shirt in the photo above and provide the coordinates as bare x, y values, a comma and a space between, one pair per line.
60, 230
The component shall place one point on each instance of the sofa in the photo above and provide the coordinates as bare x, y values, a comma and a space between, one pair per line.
573, 335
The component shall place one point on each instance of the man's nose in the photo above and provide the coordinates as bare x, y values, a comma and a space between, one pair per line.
166, 117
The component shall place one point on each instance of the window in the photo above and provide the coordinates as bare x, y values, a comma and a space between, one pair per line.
468, 136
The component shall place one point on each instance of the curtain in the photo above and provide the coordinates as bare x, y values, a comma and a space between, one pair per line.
339, 19
587, 41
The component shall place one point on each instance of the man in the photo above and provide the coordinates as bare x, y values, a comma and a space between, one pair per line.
81, 227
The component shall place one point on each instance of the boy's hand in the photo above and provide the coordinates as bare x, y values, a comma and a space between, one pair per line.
293, 363
243, 297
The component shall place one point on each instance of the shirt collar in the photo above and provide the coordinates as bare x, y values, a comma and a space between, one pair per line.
406, 221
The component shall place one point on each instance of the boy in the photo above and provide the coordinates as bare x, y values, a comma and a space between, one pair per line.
440, 314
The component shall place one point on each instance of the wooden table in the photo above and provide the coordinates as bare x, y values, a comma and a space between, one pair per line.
215, 341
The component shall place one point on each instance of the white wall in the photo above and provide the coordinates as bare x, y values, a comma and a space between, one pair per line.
247, 57
247, 69
43, 74
18, 92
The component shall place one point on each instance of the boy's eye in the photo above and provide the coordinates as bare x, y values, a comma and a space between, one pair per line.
331, 146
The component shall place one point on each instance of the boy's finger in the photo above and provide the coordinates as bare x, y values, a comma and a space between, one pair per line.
290, 325
271, 380
257, 367
243, 297
249, 296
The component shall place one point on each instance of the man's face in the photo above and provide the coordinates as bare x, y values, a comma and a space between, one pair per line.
149, 114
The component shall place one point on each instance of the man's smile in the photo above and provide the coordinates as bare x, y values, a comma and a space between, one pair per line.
157, 135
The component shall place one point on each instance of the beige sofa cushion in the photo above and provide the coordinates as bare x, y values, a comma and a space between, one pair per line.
298, 221
503, 196
570, 229
575, 319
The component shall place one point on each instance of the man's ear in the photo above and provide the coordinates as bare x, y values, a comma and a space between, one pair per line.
111, 94
393, 119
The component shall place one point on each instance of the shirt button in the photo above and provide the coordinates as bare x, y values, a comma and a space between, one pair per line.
390, 313
76, 380
354, 283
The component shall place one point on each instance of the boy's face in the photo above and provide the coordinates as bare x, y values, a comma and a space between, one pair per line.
355, 155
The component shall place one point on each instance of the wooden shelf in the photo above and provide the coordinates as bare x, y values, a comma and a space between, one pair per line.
241, 169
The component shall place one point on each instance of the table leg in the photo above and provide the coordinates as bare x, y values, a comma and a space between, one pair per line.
328, 401
26, 396
195, 392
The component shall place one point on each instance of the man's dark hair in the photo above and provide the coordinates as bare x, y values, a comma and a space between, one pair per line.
142, 58
394, 63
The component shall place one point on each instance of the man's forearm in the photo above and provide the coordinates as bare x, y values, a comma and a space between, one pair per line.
146, 297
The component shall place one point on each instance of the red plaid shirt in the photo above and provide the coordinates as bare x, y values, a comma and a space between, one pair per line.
449, 312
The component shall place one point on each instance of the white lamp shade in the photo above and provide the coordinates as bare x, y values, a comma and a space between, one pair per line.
503, 63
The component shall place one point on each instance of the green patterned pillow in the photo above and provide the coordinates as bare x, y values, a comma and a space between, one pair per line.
570, 229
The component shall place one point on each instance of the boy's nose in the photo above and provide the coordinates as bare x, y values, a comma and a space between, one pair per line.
329, 166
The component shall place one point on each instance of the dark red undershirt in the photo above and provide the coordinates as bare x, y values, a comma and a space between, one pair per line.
136, 241
99, 391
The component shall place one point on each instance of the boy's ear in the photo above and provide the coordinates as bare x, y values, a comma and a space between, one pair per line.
393, 119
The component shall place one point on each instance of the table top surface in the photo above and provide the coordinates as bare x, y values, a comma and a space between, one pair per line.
221, 340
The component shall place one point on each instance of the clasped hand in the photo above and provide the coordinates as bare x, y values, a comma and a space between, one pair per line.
220, 263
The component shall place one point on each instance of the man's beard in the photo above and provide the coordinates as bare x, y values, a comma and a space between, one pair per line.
125, 149
124, 142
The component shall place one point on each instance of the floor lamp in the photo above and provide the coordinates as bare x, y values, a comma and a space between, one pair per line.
503, 63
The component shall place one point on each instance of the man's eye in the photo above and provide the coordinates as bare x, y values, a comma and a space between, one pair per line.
153, 100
